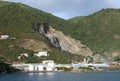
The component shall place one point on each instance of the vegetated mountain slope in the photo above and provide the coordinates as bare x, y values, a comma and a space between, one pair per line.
76, 19
21, 17
100, 31
18, 20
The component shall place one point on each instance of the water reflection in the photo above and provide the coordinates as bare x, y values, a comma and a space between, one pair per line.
62, 76
50, 73
40, 73
30, 74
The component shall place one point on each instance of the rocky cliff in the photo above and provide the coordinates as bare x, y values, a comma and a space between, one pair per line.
61, 41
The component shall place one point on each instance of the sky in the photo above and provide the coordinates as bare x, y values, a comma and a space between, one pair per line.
67, 9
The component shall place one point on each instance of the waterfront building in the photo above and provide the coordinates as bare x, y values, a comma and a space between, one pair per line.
47, 65
103, 65
36, 67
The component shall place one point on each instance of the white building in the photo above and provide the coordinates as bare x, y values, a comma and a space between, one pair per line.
103, 65
36, 67
41, 67
49, 65
23, 54
4, 36
31, 67
39, 54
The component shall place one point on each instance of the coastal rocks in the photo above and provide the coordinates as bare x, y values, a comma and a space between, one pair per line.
77, 70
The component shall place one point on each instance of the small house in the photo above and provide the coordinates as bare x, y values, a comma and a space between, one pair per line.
4, 36
23, 54
39, 54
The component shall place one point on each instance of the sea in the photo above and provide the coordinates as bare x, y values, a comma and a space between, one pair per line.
62, 76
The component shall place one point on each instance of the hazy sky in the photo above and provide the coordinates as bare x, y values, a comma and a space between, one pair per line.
70, 8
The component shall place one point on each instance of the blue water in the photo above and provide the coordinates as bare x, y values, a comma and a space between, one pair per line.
62, 76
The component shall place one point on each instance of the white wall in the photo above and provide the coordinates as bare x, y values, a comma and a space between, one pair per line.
39, 54
31, 67
51, 65
4, 37
41, 68
49, 69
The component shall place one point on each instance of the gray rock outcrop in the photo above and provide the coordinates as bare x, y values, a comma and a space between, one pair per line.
66, 43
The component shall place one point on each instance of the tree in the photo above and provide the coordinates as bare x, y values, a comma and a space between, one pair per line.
46, 27
38, 26
117, 58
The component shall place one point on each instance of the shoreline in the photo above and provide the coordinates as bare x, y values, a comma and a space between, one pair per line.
62, 71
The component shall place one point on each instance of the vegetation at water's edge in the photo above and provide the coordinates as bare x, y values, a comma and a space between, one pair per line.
5, 68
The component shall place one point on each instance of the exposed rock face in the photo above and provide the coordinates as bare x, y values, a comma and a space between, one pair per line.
115, 54
66, 43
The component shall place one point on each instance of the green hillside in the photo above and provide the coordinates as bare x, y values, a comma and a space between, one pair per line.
100, 31
16, 20
76, 19
20, 17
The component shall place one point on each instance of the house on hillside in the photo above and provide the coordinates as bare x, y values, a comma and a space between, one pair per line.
23, 55
4, 37
43, 53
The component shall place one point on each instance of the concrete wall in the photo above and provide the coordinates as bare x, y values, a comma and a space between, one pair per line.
39, 54
31, 67
41, 68
49, 69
